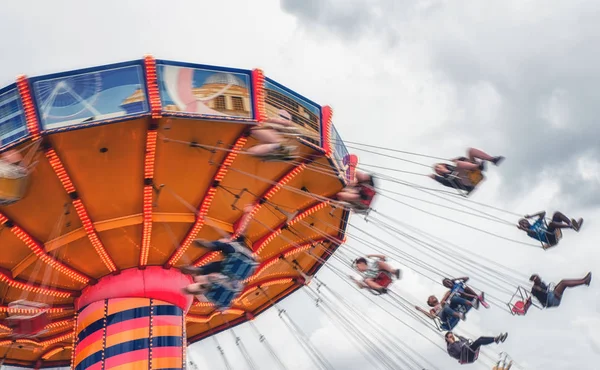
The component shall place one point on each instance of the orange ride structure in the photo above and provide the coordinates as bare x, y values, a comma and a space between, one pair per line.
107, 176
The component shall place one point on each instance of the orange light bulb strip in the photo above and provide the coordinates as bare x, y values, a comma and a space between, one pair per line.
149, 161
152, 86
270, 193
258, 93
29, 311
87, 223
207, 201
29, 107
287, 253
33, 289
327, 119
58, 324
38, 249
263, 243
58, 339
207, 258
147, 226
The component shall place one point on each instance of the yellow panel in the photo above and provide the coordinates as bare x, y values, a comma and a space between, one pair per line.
123, 245
166, 330
166, 363
46, 199
184, 170
166, 237
13, 249
138, 365
123, 304
127, 336
120, 168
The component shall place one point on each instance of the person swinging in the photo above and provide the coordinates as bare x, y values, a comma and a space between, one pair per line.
221, 281
464, 291
466, 172
377, 274
552, 298
272, 136
466, 351
449, 310
548, 233
359, 193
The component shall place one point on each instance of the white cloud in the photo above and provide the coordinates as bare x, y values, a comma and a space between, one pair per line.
427, 76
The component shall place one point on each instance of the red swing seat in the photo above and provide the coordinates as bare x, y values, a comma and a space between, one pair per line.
27, 324
383, 278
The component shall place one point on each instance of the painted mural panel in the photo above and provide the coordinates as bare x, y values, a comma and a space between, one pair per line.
282, 103
205, 92
340, 152
96, 96
12, 117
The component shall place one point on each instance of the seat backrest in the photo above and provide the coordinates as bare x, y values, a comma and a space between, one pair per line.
239, 266
383, 278
221, 295
519, 308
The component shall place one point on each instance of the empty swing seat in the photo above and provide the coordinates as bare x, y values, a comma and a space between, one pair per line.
29, 323
13, 183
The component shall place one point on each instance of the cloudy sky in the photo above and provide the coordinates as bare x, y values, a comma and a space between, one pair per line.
514, 77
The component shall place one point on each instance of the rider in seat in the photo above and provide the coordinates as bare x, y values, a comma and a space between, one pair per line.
360, 192
465, 291
238, 264
466, 173
465, 351
376, 272
449, 307
552, 298
13, 177
548, 234
272, 136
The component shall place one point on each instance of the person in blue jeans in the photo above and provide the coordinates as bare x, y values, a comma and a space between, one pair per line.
552, 298
447, 307
236, 270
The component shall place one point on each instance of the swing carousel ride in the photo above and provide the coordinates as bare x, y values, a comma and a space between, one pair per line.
109, 175
112, 173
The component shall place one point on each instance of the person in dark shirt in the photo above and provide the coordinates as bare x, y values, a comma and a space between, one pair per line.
227, 247
552, 298
467, 292
465, 351
465, 173
547, 234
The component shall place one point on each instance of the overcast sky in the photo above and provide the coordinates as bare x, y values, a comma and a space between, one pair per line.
514, 77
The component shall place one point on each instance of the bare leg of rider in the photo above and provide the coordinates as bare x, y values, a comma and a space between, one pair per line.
269, 140
373, 285
385, 267
571, 283
478, 154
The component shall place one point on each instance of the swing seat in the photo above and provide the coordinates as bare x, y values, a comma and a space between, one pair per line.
238, 266
13, 183
466, 361
475, 177
520, 302
221, 294
384, 279
452, 321
27, 324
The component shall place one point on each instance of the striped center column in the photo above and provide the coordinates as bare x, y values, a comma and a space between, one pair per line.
130, 333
